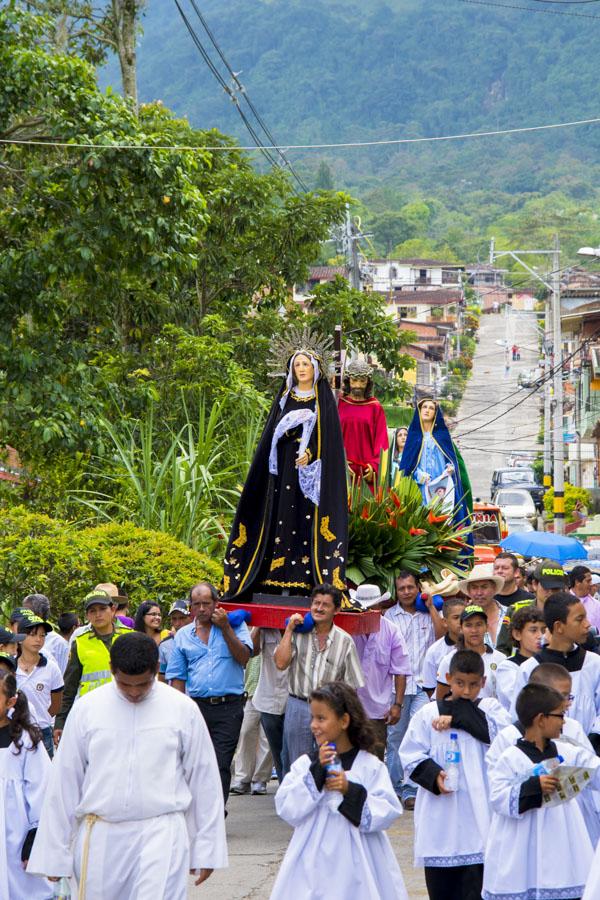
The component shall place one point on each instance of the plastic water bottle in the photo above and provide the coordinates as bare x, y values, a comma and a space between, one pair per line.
547, 766
452, 763
62, 890
334, 766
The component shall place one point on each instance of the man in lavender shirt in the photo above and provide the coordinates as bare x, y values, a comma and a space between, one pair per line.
385, 665
580, 579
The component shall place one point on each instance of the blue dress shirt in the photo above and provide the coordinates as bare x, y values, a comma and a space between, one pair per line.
209, 669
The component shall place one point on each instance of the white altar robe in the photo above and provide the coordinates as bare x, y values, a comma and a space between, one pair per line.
451, 829
327, 855
585, 686
148, 771
589, 800
23, 779
541, 853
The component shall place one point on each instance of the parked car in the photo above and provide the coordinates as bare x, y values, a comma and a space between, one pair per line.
520, 459
529, 378
516, 504
518, 526
519, 477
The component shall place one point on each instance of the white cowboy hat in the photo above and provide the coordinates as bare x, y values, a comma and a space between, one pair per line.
368, 595
483, 572
447, 587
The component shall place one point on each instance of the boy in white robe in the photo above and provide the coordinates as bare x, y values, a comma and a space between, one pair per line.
451, 826
134, 834
452, 608
566, 620
534, 850
473, 629
557, 677
526, 629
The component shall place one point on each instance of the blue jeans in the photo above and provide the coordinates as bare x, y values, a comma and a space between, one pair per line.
412, 703
297, 737
273, 728
47, 741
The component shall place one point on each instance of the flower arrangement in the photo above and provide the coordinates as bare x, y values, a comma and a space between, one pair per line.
391, 529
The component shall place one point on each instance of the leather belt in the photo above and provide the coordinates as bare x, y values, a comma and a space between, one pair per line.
226, 698
296, 697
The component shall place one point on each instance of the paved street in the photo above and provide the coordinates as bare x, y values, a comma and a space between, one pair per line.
487, 396
257, 839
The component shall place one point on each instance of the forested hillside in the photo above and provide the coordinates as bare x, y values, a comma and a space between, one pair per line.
325, 71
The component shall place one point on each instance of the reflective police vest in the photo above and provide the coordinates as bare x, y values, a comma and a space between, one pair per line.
94, 657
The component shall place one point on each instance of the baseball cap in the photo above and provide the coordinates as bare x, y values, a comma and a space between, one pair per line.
180, 606
31, 621
9, 660
9, 637
470, 611
99, 597
550, 574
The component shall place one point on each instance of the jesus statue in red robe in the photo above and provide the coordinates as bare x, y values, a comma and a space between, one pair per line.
364, 427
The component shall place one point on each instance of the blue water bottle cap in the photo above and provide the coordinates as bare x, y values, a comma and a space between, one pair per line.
560, 758
453, 736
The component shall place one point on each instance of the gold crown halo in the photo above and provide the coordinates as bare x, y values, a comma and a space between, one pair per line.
296, 339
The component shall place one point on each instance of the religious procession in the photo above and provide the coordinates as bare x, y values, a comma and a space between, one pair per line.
360, 661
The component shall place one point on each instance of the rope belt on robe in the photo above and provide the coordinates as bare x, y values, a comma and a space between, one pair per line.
90, 821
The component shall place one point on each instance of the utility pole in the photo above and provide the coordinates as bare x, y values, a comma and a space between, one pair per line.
547, 396
553, 288
558, 439
351, 251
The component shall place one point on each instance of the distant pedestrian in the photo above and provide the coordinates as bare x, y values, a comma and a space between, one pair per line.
40, 605
271, 693
89, 660
121, 601
339, 847
253, 762
209, 657
39, 677
66, 624
385, 664
179, 614
148, 620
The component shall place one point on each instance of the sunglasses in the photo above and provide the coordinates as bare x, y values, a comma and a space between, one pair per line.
555, 715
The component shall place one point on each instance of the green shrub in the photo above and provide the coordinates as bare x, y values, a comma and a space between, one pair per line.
38, 553
572, 495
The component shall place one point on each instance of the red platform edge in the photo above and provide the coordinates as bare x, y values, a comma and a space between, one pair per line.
267, 616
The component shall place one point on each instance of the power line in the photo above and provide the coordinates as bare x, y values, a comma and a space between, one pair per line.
184, 148
548, 12
245, 95
547, 376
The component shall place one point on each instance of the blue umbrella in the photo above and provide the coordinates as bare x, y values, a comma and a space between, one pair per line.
546, 544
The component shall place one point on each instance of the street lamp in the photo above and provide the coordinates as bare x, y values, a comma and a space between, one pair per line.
588, 251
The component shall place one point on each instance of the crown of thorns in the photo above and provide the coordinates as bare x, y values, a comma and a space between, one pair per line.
358, 368
300, 340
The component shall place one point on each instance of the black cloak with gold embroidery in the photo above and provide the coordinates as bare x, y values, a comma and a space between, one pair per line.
287, 535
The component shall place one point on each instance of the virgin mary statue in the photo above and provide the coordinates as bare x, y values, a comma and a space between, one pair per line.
433, 460
290, 530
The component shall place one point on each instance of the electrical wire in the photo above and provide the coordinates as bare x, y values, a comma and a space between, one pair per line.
225, 86
351, 145
547, 376
245, 95
548, 12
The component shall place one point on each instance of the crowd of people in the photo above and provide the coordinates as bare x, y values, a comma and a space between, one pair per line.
470, 708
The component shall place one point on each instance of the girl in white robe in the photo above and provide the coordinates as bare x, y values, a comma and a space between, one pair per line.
339, 847
536, 852
24, 770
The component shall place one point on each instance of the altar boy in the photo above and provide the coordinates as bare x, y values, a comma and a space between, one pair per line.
451, 827
537, 850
